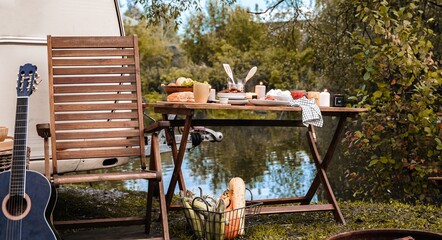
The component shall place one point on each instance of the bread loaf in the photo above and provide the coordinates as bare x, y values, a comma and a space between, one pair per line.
236, 212
181, 97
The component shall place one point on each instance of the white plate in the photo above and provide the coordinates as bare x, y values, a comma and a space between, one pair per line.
238, 102
232, 95
269, 102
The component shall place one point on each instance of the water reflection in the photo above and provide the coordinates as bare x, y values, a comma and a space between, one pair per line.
272, 161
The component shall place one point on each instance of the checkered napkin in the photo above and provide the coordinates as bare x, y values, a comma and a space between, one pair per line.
310, 111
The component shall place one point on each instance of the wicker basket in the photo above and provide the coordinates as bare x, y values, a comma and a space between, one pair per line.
230, 224
6, 156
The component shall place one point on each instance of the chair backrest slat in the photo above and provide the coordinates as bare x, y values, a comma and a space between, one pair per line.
94, 79
95, 98
120, 152
95, 116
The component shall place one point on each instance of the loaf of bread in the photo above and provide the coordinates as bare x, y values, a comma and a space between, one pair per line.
181, 97
235, 211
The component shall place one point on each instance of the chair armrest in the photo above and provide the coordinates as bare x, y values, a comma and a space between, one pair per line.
43, 130
156, 126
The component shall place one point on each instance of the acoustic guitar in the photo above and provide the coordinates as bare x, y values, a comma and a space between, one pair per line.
25, 195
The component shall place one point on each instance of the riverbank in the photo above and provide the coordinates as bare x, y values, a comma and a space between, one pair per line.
89, 202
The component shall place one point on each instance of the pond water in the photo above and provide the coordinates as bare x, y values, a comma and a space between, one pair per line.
273, 162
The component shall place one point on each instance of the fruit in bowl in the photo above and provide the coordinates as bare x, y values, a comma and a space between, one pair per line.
182, 84
185, 82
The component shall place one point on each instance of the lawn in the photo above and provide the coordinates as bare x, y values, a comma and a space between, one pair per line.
89, 202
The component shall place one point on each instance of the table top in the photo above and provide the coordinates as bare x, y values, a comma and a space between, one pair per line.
172, 107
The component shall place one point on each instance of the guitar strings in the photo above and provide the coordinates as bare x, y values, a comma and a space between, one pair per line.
17, 202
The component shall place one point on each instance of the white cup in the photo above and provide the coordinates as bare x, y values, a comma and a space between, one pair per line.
224, 100
201, 92
212, 95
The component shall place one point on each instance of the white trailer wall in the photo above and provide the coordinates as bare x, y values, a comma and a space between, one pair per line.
24, 25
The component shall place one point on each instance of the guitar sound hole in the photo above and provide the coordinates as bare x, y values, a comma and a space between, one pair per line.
16, 205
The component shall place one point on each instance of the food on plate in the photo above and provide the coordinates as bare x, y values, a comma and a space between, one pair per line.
268, 97
232, 90
278, 94
171, 84
181, 97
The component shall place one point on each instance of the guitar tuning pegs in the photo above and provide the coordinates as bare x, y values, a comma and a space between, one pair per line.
38, 82
37, 76
34, 88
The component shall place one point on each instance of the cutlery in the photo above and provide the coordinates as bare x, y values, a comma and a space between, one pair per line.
250, 74
229, 71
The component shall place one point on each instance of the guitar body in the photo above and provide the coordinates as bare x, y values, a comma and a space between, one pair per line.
25, 195
32, 221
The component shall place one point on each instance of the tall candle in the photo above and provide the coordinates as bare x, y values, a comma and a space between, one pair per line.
260, 91
324, 99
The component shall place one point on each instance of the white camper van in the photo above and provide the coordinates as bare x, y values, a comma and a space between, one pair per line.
24, 26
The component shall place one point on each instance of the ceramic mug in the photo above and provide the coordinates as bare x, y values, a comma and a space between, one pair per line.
314, 95
201, 92
4, 133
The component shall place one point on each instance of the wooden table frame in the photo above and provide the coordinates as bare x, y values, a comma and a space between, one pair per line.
187, 110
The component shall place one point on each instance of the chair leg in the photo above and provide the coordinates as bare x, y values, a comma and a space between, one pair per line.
155, 165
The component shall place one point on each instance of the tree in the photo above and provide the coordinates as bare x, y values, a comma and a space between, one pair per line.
157, 11
399, 141
238, 38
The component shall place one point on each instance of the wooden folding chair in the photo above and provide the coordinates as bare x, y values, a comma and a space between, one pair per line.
96, 112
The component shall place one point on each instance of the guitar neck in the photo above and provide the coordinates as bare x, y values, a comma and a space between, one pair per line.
18, 169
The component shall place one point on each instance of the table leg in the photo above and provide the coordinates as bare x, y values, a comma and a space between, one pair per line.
178, 160
171, 141
321, 166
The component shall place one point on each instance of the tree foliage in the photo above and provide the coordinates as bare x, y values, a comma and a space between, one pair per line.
236, 37
399, 82
384, 54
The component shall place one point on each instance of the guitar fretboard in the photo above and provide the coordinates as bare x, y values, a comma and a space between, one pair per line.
18, 169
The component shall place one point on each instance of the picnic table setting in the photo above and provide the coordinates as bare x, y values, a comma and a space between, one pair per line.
186, 96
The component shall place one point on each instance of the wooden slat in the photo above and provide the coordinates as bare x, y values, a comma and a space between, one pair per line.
93, 62
283, 200
240, 122
92, 42
296, 209
97, 70
96, 134
106, 222
94, 97
96, 144
94, 89
94, 107
95, 116
104, 153
81, 178
97, 125
92, 53
94, 79
172, 108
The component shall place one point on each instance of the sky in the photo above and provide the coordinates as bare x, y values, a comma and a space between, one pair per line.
250, 4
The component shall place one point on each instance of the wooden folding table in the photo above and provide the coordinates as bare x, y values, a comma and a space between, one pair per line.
187, 111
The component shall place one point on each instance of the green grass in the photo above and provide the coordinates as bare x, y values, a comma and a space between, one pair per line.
88, 203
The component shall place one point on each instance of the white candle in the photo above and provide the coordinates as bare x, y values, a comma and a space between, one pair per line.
260, 91
324, 99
